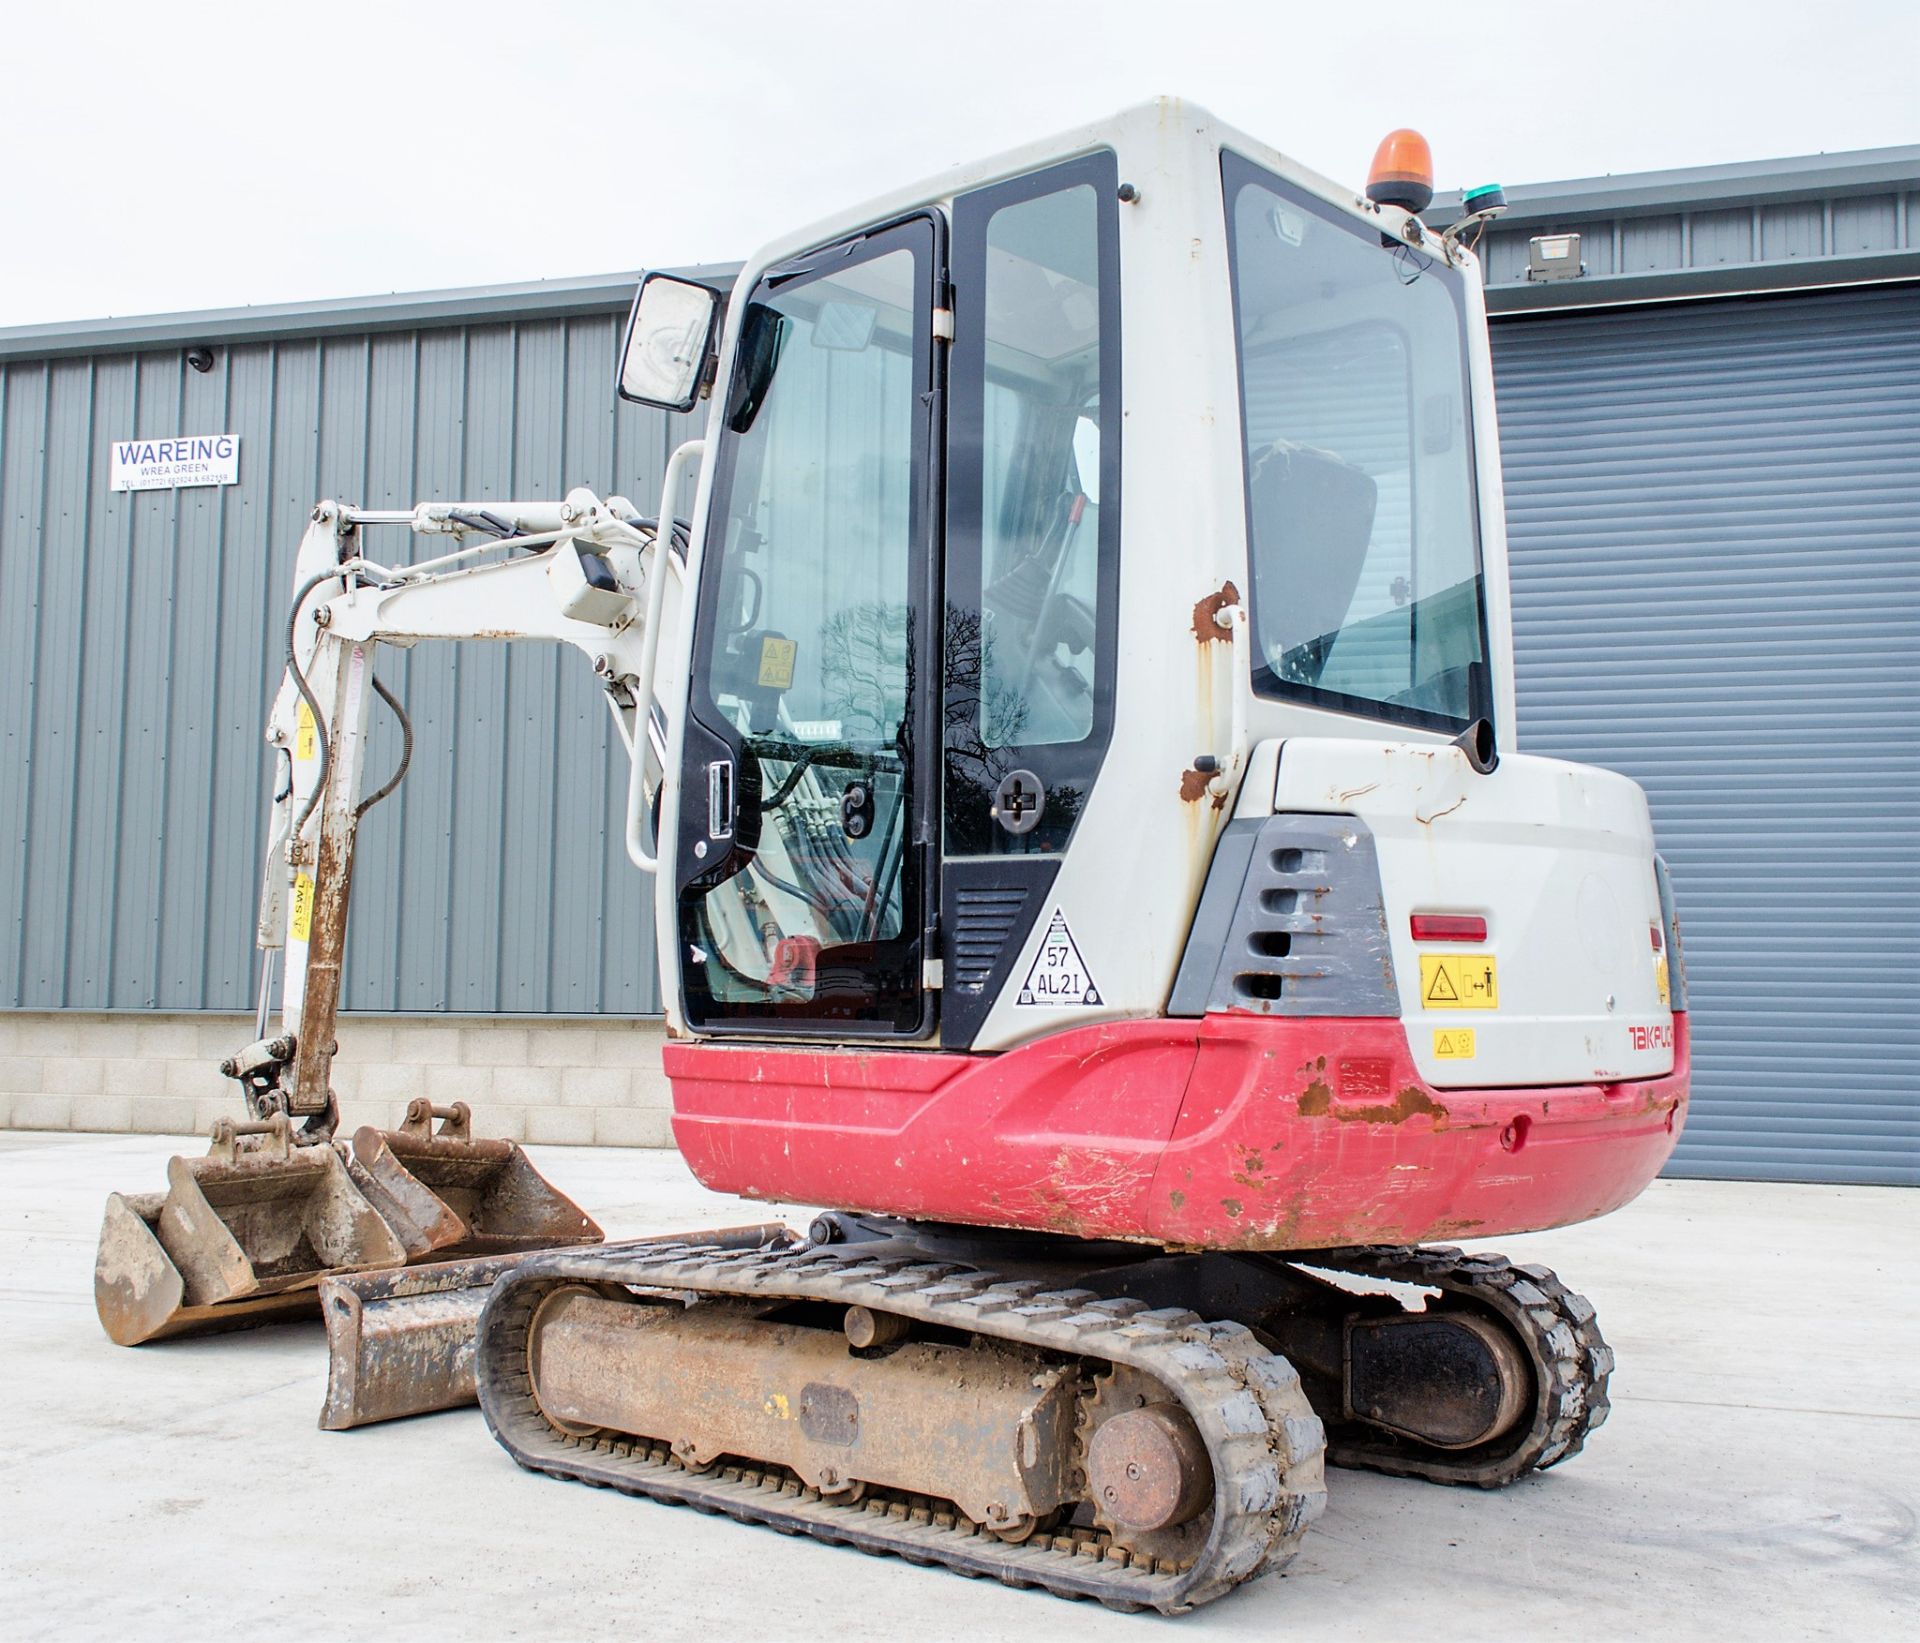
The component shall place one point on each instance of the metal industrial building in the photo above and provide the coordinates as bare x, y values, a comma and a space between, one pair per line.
1712, 446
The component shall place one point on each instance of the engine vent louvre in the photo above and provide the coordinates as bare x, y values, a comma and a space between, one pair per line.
1291, 922
983, 921
1275, 918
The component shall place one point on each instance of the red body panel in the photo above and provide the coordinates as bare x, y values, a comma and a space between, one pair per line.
1232, 1132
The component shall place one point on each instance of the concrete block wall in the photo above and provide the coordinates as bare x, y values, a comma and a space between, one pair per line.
578, 1081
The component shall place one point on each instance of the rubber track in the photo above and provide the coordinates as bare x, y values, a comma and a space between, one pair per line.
1557, 1328
1266, 1445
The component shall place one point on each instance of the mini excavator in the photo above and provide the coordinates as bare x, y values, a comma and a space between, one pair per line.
1068, 696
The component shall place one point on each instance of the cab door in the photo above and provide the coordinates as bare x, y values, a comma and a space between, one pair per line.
806, 852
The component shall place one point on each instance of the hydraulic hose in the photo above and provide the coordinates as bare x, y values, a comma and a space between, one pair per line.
406, 751
299, 677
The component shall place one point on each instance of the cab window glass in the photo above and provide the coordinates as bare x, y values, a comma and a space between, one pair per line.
1040, 520
1031, 538
1362, 533
808, 908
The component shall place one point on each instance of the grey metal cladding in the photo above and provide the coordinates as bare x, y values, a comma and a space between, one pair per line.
349, 316
1292, 922
1855, 173
1820, 220
140, 642
1714, 512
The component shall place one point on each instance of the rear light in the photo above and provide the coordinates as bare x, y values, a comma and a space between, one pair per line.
1449, 927
1653, 930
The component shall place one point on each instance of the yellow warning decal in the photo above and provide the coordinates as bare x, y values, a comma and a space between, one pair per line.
302, 906
1459, 981
306, 735
1660, 980
1453, 1044
776, 663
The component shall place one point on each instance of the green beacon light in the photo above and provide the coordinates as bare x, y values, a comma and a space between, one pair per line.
1478, 207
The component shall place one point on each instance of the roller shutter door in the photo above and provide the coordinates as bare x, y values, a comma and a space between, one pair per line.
1715, 520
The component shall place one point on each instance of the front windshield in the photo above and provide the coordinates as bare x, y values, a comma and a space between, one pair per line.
1363, 538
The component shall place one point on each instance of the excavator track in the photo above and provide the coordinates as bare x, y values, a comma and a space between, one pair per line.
1263, 1442
1556, 1328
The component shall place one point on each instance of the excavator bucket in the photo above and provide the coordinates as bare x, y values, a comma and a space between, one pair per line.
446, 1194
244, 1235
402, 1343
240, 1237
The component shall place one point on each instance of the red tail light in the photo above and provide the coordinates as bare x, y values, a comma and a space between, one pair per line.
1449, 927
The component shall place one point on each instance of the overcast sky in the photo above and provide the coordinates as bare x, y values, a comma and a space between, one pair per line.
201, 155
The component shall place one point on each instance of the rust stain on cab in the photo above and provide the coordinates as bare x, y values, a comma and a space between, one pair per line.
1195, 786
1205, 628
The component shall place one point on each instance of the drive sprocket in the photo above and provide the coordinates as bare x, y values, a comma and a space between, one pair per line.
1147, 1477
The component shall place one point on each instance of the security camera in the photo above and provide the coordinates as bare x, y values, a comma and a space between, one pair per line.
201, 359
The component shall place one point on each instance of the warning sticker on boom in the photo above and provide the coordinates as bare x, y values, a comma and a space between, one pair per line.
1459, 981
302, 920
1059, 974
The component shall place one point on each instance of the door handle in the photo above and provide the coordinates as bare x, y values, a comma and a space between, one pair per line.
720, 799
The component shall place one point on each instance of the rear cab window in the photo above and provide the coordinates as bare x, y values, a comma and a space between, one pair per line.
1362, 524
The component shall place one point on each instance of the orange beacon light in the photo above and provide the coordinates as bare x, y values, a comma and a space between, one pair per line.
1402, 171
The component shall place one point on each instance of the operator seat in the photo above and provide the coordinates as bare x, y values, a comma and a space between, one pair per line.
1312, 517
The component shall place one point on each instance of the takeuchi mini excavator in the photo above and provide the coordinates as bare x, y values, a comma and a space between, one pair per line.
1068, 697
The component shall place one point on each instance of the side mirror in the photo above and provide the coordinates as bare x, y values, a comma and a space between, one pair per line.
669, 341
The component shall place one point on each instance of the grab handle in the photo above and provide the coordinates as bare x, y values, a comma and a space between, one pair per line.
664, 564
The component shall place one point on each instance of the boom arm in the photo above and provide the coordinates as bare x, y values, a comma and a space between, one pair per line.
582, 571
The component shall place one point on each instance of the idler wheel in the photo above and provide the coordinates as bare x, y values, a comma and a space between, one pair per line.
1147, 1469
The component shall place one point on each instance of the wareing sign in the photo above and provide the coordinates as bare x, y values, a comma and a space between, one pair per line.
166, 464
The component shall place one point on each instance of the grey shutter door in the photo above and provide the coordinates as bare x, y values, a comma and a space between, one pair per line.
1715, 520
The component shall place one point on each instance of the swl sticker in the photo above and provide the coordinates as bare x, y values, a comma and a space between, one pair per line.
302, 921
1059, 974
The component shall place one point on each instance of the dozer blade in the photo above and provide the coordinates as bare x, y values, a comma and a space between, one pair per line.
402, 1343
445, 1194
242, 1236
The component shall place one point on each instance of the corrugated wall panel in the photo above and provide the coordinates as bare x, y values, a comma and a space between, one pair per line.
1640, 241
1715, 518
141, 637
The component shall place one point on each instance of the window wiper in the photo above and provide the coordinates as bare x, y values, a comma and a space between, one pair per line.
787, 273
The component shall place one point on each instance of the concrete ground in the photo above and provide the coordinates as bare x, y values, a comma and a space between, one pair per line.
1760, 1476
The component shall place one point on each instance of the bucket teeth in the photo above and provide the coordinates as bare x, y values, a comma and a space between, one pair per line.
244, 1235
